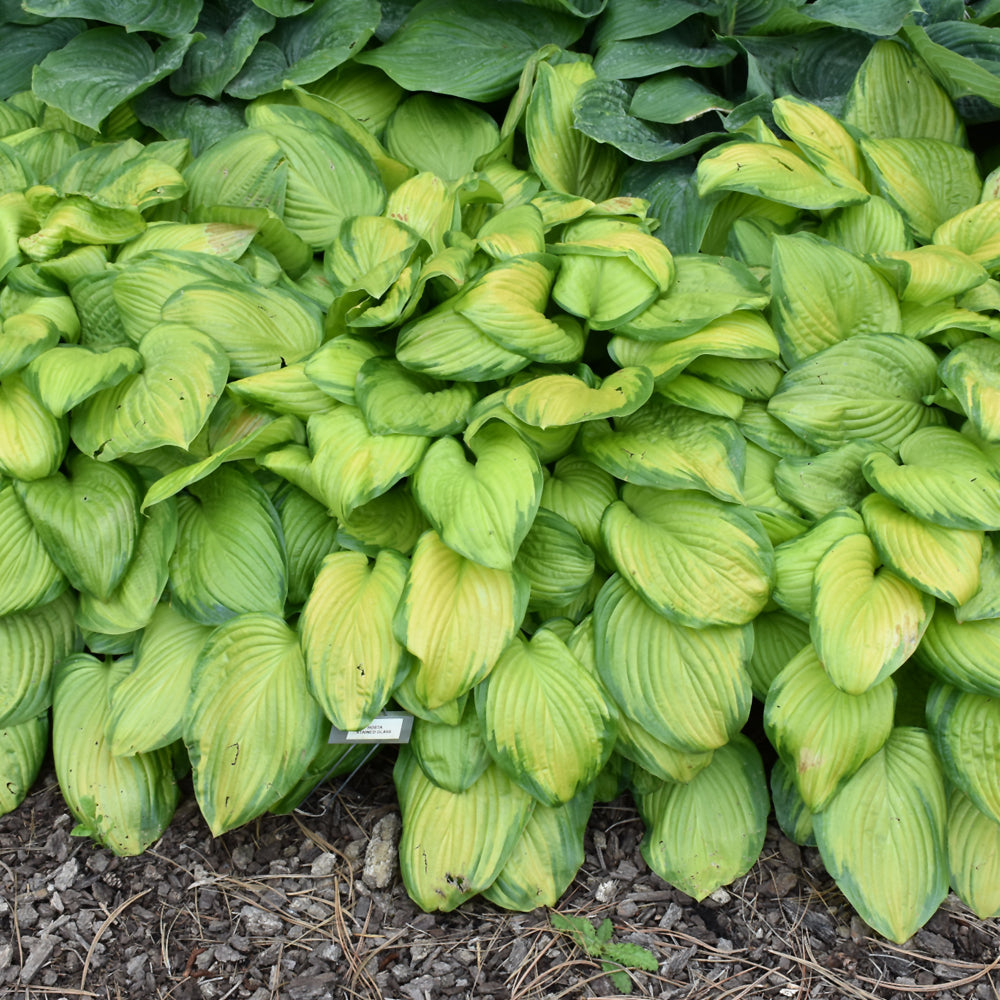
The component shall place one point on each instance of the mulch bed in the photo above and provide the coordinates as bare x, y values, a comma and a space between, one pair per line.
311, 905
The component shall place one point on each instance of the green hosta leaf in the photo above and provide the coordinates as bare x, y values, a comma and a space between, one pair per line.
227, 240
930, 274
124, 803
64, 376
148, 703
334, 367
822, 295
974, 232
945, 478
687, 687
135, 15
167, 402
760, 428
545, 719
100, 69
352, 656
22, 752
23, 47
28, 576
405, 695
872, 227
696, 560
456, 844
704, 289
971, 372
558, 563
88, 520
870, 387
655, 51
453, 757
230, 556
481, 510
974, 855
512, 232
671, 447
674, 97
866, 620
777, 637
390, 521
790, 811
985, 603
741, 334
943, 562
894, 95
251, 724
310, 535
962, 653
369, 254
287, 390
580, 492
747, 377
549, 444
883, 836
776, 173
32, 642
822, 734
32, 441
658, 759
352, 466
708, 832
692, 392
928, 180
396, 401
444, 592
546, 858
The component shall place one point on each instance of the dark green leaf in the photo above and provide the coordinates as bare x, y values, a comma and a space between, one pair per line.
884, 18
682, 47
22, 47
175, 18
175, 118
673, 97
641, 18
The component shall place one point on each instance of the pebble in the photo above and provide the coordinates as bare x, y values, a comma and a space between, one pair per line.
261, 923
606, 891
382, 852
66, 875
325, 865
720, 896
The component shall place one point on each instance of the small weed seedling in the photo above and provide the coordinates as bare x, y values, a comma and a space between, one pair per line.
612, 955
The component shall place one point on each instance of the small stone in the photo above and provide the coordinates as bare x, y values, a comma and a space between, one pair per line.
606, 891
134, 966
627, 909
260, 923
329, 952
223, 953
66, 874
325, 865
55, 901
720, 896
38, 955
724, 944
6, 954
242, 856
672, 915
98, 862
382, 852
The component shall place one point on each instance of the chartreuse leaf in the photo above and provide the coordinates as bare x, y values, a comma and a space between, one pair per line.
945, 478
658, 759
671, 447
705, 833
512, 231
777, 637
287, 390
580, 492
974, 232
230, 556
928, 180
351, 654
454, 845
696, 560
822, 295
687, 687
883, 836
872, 227
482, 510
405, 695
792, 814
148, 703
227, 240
549, 444
971, 372
397, 401
351, 465
28, 576
124, 803
558, 563
545, 858
822, 734
544, 718
88, 521
32, 440
334, 367
390, 521
985, 603
167, 402
32, 642
22, 751
974, 855
251, 724
132, 603
310, 535
871, 386
928, 275
444, 592
369, 254
895, 95
963, 653
941, 561
866, 620
453, 757
64, 376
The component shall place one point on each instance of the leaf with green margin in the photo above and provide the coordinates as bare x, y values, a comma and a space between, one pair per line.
99, 69
882, 837
32, 642
149, 702
168, 402
453, 757
230, 556
455, 845
985, 603
24, 46
251, 723
287, 391
687, 687
962, 653
32, 441
124, 803
352, 657
696, 560
974, 232
866, 620
945, 478
875, 226
22, 751
580, 491
546, 858
792, 814
973, 855
822, 295
708, 832
971, 372
335, 365
861, 15
959, 75
558, 563
777, 637
482, 510
310, 535
822, 734
64, 376
444, 592
544, 718
28, 576
487, 47
390, 521
670, 447
870, 387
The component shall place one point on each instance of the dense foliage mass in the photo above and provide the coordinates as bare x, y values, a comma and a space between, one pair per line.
565, 375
